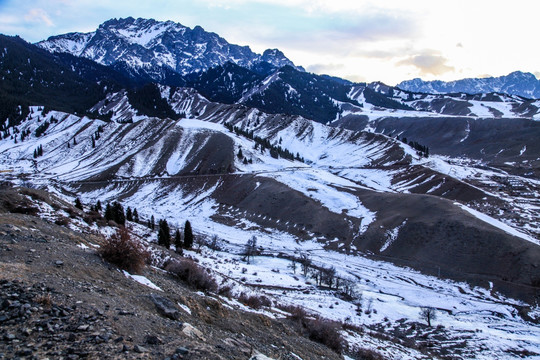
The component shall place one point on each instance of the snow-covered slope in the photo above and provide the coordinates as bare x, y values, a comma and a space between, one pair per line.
357, 202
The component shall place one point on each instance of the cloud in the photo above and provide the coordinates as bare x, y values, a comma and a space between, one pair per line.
328, 68
38, 16
427, 63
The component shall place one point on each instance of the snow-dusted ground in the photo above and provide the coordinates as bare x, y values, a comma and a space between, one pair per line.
390, 293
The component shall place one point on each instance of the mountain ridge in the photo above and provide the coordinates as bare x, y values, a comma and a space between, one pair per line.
516, 83
145, 44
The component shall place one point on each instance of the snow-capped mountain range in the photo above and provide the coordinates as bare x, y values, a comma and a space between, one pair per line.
153, 47
516, 83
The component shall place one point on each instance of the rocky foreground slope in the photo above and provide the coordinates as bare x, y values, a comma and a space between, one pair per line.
60, 300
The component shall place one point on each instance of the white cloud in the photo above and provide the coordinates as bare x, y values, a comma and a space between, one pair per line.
428, 64
39, 16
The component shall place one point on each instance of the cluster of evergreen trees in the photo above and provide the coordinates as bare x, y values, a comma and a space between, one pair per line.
421, 150
165, 239
38, 151
116, 213
42, 128
276, 151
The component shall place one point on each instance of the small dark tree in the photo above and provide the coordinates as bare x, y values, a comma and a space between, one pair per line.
305, 261
240, 155
129, 214
108, 212
78, 204
135, 215
251, 248
428, 314
151, 222
98, 206
188, 235
164, 234
118, 213
178, 241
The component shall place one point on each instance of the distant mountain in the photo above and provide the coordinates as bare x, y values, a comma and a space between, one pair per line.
154, 48
516, 83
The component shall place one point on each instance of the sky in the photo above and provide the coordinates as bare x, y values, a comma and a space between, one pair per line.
360, 40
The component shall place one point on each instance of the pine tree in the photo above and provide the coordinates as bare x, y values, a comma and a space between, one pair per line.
164, 234
188, 235
93, 142
118, 213
108, 212
151, 223
78, 204
240, 155
98, 206
178, 241
129, 214
35, 154
135, 215
40, 150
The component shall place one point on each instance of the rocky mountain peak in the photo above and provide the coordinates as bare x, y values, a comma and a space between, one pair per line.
153, 45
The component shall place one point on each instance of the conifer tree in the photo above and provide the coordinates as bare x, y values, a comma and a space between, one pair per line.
188, 235
151, 222
178, 241
135, 215
108, 212
164, 234
129, 214
98, 206
78, 204
117, 213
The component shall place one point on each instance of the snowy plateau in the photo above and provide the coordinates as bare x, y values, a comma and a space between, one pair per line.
413, 199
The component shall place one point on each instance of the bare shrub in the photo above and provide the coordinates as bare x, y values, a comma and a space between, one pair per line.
254, 301
193, 274
298, 313
62, 221
367, 354
125, 252
226, 291
325, 332
44, 300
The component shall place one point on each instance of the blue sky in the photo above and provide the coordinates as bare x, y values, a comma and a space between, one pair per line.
362, 40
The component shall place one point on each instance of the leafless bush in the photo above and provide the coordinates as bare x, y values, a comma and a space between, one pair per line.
226, 291
125, 252
193, 274
298, 313
62, 221
367, 354
44, 300
326, 332
254, 301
